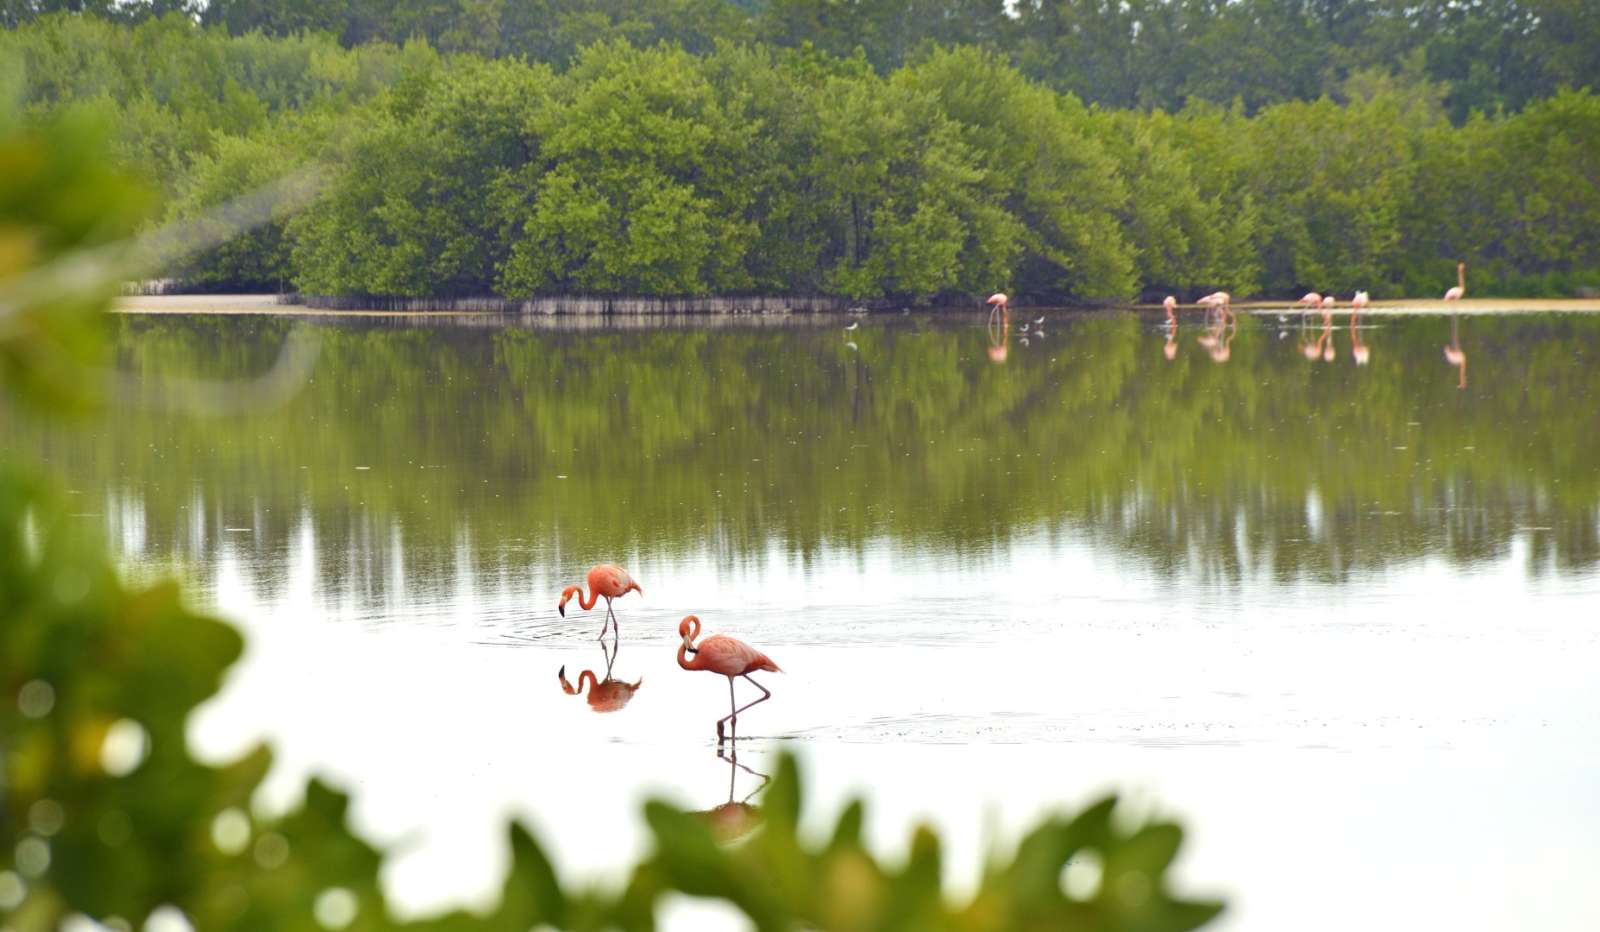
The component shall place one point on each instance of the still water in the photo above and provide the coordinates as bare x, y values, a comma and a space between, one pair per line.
1326, 595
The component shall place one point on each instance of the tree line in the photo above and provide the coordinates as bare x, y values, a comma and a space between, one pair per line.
727, 167
1493, 54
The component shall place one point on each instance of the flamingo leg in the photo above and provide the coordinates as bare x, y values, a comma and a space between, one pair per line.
731, 715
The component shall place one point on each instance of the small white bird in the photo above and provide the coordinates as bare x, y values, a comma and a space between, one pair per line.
853, 325
1038, 320
1023, 341
852, 345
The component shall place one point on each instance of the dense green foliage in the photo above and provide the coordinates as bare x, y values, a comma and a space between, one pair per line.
1136, 53
725, 166
104, 814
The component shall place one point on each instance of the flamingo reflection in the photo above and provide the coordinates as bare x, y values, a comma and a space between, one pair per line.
1218, 338
605, 695
733, 820
1454, 354
1170, 350
1322, 346
999, 335
1358, 349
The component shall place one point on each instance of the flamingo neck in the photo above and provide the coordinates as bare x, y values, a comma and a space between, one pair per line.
688, 643
1461, 277
589, 675
585, 602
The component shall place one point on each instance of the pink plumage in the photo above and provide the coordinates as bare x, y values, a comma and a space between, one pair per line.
730, 657
727, 656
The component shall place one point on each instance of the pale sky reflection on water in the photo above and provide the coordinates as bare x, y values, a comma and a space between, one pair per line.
1368, 749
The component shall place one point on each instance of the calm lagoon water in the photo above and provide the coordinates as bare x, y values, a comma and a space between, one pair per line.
1340, 618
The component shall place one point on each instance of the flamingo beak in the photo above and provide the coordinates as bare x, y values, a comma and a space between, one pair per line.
562, 608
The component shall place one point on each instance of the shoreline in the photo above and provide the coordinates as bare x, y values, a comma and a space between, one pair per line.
267, 305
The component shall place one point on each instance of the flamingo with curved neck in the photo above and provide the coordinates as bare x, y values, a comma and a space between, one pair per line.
729, 657
606, 581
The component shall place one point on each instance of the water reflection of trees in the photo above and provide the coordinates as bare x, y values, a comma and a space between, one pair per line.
437, 446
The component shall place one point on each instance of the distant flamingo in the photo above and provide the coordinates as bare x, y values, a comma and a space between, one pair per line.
1327, 302
1171, 304
998, 302
1310, 299
727, 656
1460, 290
1359, 302
1219, 301
608, 581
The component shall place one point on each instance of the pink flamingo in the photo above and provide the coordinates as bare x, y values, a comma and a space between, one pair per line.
1171, 304
1460, 290
998, 302
1309, 300
1218, 300
608, 581
1359, 302
1327, 302
727, 656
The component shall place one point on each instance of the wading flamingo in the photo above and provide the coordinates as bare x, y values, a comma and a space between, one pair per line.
1219, 301
1460, 290
1171, 304
608, 581
1309, 300
729, 657
607, 695
998, 302
1327, 302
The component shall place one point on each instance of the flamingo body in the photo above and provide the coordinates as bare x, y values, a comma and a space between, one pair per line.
1309, 299
1460, 290
729, 657
606, 581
